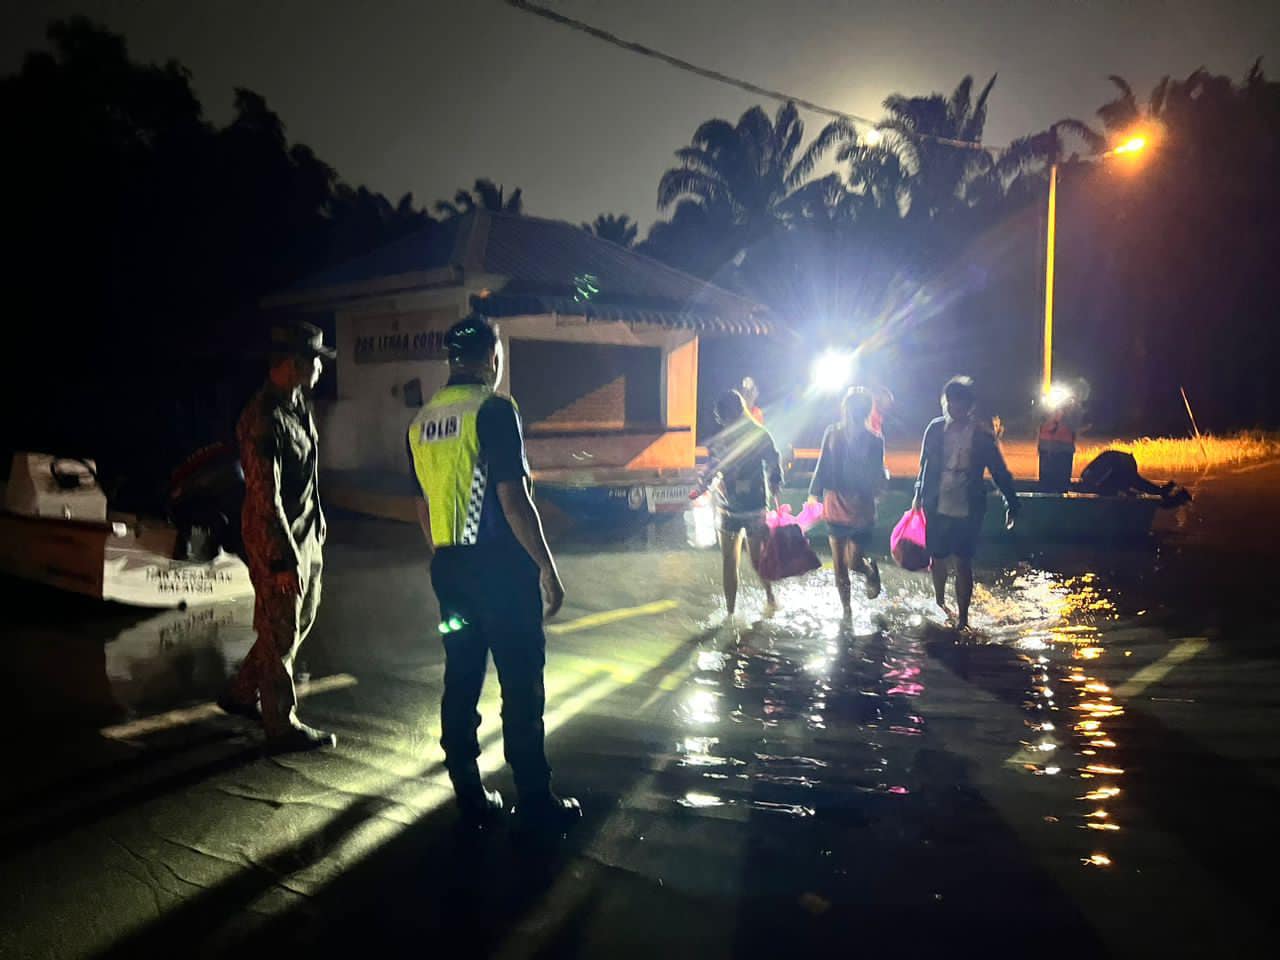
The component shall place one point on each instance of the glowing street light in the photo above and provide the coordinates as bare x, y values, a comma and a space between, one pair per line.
833, 370
1134, 145
1056, 396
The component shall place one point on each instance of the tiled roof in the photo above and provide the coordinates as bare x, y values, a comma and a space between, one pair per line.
551, 267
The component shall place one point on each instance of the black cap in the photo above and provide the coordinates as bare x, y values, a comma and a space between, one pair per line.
302, 339
471, 339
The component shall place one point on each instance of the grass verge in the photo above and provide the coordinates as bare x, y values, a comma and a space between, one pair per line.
1189, 454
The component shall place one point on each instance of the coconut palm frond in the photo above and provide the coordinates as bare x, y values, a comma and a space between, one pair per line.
1126, 91
838, 131
680, 183
1094, 140
1155, 104
976, 122
715, 135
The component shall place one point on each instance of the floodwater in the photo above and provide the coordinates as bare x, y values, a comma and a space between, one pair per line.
1094, 771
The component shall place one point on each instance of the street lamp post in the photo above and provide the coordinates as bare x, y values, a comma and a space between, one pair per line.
1050, 246
1131, 146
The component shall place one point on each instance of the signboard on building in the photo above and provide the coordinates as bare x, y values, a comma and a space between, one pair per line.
399, 337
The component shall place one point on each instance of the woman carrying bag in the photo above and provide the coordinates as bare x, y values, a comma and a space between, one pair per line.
849, 476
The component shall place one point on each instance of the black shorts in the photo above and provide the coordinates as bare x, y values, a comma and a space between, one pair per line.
843, 531
752, 521
952, 536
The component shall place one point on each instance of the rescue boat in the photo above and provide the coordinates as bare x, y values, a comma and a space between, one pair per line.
56, 528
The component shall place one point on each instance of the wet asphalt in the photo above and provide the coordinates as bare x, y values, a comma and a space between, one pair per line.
1096, 773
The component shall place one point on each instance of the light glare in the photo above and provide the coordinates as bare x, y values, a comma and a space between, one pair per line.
833, 370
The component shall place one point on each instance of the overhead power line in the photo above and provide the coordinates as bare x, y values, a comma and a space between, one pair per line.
709, 74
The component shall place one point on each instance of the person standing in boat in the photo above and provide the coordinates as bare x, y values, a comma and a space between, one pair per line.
956, 453
849, 475
284, 530
1056, 440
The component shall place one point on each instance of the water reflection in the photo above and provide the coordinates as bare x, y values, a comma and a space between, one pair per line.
794, 679
1061, 644
178, 656
77, 664
856, 694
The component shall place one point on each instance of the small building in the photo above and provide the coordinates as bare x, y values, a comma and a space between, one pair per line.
601, 342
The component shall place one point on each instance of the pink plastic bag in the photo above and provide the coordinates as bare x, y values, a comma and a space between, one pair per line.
786, 554
783, 517
907, 542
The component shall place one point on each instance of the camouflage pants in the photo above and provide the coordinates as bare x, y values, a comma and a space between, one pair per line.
282, 623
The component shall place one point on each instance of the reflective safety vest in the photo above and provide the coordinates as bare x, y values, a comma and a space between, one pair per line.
1056, 432
445, 444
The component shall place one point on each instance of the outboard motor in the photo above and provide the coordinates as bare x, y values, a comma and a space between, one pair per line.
65, 488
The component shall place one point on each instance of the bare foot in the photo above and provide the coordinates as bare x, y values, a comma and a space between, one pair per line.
770, 609
947, 613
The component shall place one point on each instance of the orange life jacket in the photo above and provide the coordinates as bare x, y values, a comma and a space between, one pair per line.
1057, 430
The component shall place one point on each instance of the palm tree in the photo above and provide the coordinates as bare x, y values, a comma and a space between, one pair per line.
746, 175
360, 220
878, 187
695, 238
1019, 171
939, 173
1124, 112
907, 167
484, 195
621, 230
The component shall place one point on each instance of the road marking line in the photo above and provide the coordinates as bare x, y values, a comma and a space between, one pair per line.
610, 616
207, 711
1155, 672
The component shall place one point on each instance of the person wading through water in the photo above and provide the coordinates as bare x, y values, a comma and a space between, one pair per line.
849, 476
744, 468
956, 453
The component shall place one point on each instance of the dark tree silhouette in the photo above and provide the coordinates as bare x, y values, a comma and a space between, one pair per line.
484, 195
621, 230
935, 251
746, 177
148, 237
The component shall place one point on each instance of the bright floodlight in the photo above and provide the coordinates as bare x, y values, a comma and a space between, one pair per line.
1056, 396
872, 137
1133, 145
833, 370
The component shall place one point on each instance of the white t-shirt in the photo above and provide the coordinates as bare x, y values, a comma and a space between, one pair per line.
957, 452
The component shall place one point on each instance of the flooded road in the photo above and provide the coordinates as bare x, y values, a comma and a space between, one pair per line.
1094, 773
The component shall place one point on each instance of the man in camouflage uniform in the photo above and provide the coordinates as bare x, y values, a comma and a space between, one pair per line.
284, 533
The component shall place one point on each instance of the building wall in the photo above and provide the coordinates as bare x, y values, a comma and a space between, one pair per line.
582, 386
386, 343
382, 346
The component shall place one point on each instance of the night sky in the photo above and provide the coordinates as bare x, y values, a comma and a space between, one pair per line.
427, 96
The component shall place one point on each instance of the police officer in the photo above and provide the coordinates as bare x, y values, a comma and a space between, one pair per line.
491, 571
284, 532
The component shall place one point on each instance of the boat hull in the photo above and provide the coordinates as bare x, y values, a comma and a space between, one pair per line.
117, 561
1047, 518
1043, 517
